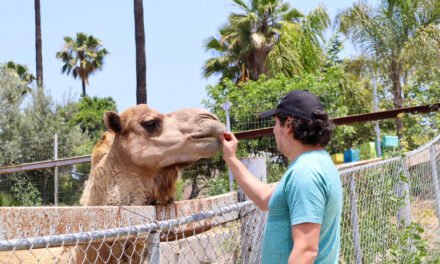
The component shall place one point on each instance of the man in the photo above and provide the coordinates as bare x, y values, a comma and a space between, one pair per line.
305, 207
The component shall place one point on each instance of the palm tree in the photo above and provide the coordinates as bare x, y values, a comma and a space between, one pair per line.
141, 63
82, 57
38, 44
389, 33
266, 38
22, 72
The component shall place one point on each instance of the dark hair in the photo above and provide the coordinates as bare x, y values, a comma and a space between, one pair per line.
316, 131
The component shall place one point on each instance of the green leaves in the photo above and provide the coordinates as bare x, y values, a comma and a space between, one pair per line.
410, 246
89, 113
22, 72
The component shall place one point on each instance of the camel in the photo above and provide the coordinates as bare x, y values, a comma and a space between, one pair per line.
138, 160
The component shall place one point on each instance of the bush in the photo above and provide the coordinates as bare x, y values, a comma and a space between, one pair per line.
219, 185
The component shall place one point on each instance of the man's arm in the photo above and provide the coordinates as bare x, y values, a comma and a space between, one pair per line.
256, 190
305, 243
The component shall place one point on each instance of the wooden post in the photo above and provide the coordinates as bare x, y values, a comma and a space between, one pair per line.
355, 221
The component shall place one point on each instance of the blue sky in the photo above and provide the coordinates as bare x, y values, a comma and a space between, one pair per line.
175, 35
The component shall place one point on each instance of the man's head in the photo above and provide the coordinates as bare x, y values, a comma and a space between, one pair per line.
304, 113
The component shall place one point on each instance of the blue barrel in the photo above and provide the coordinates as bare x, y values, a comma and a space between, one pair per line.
351, 155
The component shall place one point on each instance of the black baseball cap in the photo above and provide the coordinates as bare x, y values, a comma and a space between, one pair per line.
296, 103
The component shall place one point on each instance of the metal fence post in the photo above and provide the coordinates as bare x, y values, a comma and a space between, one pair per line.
435, 180
376, 123
55, 151
355, 221
153, 249
226, 107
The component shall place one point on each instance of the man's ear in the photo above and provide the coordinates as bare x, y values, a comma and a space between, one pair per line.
113, 122
289, 122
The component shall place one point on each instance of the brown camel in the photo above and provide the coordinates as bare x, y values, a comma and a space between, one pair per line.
137, 162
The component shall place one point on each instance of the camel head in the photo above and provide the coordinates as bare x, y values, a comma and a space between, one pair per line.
137, 162
150, 140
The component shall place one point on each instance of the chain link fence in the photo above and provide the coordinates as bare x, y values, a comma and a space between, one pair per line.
391, 209
211, 230
391, 215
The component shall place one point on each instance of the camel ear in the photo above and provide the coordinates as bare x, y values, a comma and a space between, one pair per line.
113, 122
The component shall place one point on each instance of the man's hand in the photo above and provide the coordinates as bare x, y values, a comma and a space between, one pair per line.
230, 143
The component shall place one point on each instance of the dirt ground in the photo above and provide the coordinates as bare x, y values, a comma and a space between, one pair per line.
42, 256
423, 212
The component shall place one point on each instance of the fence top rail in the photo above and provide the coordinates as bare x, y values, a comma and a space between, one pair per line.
373, 163
45, 164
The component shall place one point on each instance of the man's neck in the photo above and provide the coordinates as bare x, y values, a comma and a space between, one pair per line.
297, 148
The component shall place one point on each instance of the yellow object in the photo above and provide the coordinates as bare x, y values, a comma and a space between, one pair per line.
338, 158
368, 151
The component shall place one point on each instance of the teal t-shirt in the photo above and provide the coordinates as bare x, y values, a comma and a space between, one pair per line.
309, 192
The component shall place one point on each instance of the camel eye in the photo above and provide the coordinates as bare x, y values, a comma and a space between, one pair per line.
151, 125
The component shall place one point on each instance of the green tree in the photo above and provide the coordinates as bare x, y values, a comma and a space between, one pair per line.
22, 72
88, 115
141, 61
82, 57
393, 33
10, 100
268, 37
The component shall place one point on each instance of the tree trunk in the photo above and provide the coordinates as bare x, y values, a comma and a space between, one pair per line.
259, 63
84, 88
397, 94
194, 189
38, 45
141, 64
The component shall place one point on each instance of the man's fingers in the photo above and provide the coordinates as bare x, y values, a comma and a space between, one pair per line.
227, 136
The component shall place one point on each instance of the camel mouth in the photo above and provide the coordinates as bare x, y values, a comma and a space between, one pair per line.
207, 139
204, 136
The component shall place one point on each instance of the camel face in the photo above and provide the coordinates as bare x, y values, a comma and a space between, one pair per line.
154, 141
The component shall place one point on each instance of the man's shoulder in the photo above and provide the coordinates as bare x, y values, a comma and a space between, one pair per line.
316, 165
313, 160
